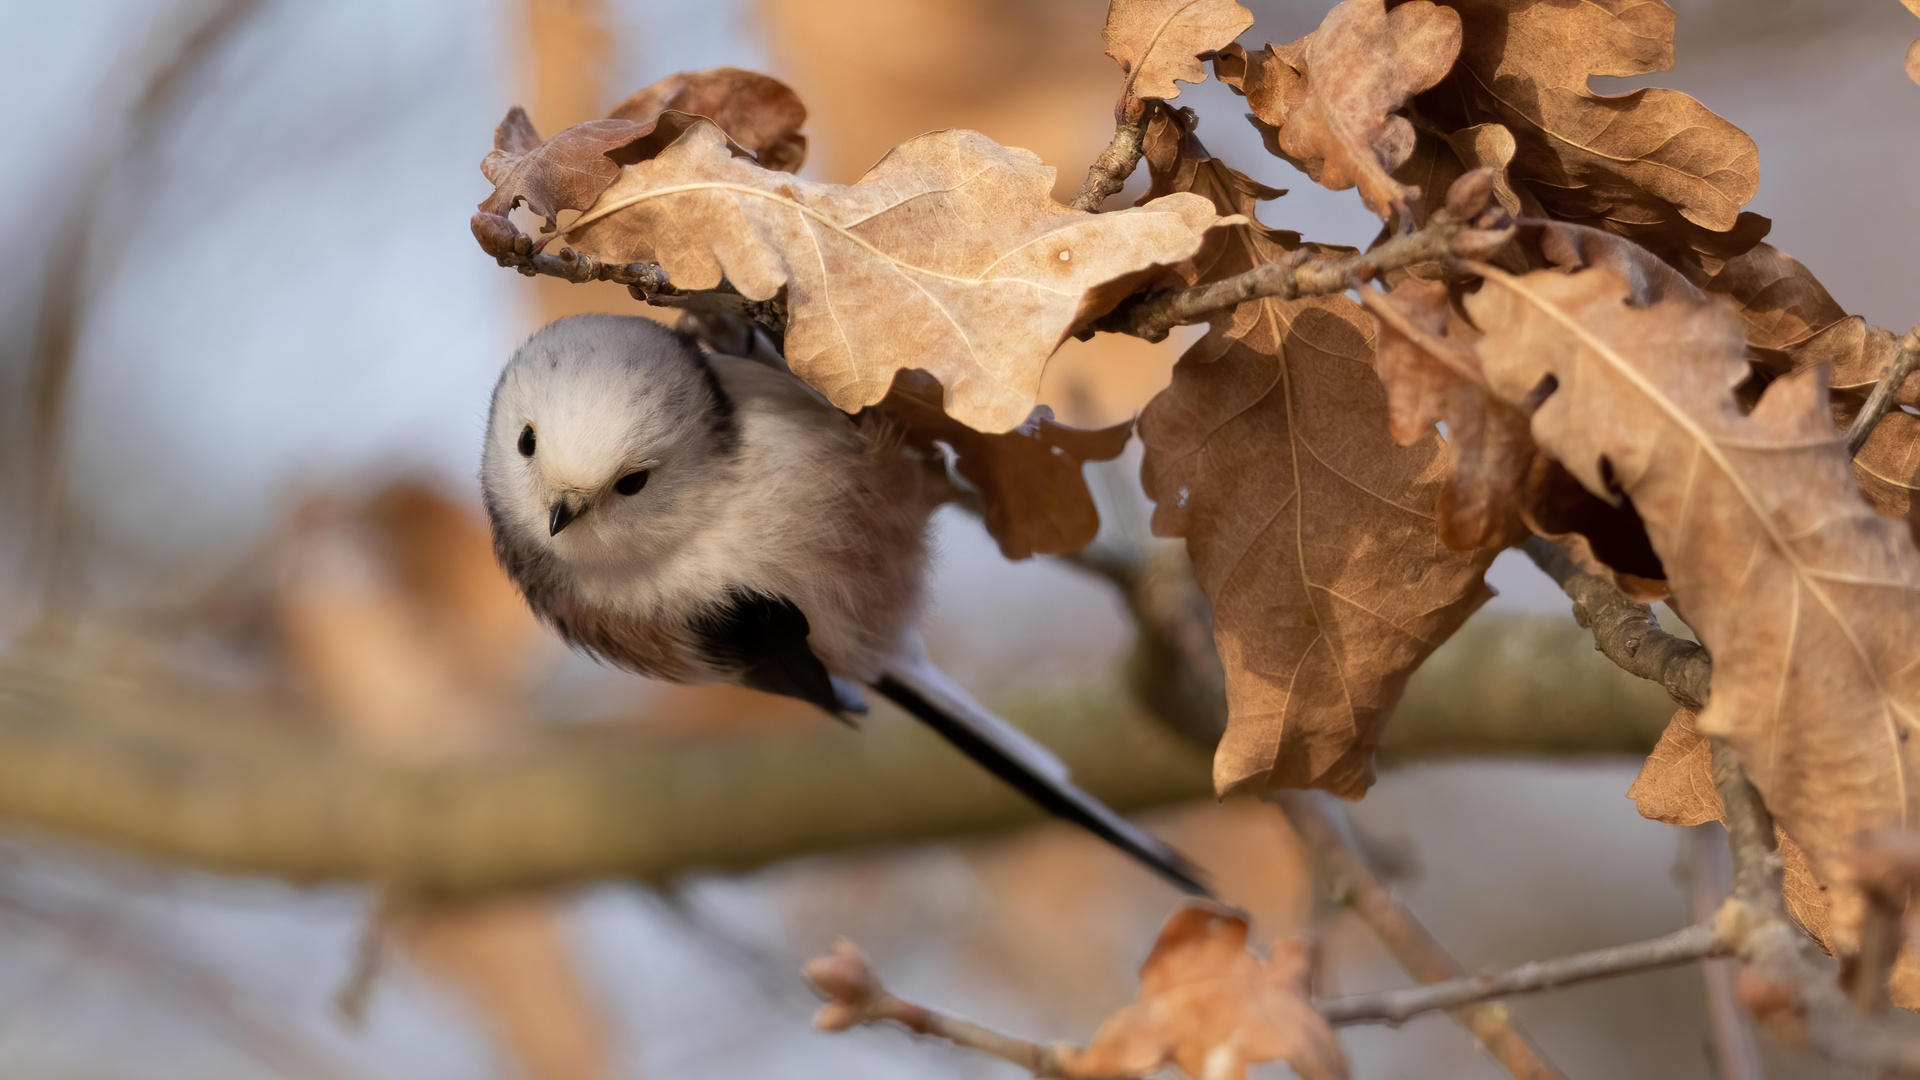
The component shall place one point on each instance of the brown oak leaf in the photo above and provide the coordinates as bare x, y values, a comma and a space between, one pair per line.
949, 256
1327, 102
1211, 1007
1489, 450
1310, 530
1654, 165
1160, 42
759, 112
1030, 479
1793, 323
568, 172
1808, 600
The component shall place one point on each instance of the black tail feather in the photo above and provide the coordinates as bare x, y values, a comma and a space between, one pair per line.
1056, 797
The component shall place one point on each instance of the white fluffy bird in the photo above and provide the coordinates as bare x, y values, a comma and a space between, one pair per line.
705, 518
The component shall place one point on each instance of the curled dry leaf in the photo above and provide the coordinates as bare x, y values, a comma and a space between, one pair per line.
1327, 102
757, 111
1030, 478
1440, 159
1160, 42
1212, 1008
1654, 164
1792, 324
568, 172
1310, 530
1809, 601
949, 256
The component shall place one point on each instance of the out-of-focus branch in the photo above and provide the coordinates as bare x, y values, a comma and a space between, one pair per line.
1736, 1056
256, 795
1396, 1006
1626, 631
1345, 873
855, 997
1904, 360
72, 262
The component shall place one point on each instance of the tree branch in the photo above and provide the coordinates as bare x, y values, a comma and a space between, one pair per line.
1109, 172
1625, 631
1468, 225
1344, 870
201, 781
1396, 1006
1904, 360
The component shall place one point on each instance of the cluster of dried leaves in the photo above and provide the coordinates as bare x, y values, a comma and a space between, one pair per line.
1617, 360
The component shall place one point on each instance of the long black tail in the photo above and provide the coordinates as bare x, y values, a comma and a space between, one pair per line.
1008, 753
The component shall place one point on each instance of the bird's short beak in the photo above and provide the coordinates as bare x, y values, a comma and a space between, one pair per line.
562, 513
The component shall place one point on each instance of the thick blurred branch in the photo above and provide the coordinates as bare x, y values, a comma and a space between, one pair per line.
124, 768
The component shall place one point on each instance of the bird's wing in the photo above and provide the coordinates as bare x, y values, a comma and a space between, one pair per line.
923, 690
764, 639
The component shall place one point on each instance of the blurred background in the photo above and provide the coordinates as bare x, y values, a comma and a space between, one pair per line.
246, 346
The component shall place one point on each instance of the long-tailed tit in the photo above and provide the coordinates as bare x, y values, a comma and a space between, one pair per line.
703, 518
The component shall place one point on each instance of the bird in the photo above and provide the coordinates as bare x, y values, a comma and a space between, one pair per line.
704, 518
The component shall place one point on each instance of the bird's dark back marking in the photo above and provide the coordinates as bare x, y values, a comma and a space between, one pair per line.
764, 638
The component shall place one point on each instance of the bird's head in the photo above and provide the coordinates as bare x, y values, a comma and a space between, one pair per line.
606, 433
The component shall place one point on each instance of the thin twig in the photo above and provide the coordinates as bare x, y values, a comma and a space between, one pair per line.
1625, 631
1904, 360
1396, 1006
855, 997
1344, 869
1109, 172
1298, 274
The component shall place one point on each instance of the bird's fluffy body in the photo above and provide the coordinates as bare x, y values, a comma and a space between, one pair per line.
755, 486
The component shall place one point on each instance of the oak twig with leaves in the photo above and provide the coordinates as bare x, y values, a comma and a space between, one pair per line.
1634, 388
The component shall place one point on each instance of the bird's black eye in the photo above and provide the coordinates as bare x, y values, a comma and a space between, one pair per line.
631, 483
526, 441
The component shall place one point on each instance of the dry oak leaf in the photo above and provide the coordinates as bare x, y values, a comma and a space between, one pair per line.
568, 172
1808, 600
1329, 100
1310, 531
1030, 479
950, 256
1489, 450
1653, 164
1793, 323
1438, 160
759, 112
1212, 1008
1675, 785
1159, 42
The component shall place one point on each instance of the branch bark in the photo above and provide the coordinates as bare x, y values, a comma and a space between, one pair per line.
1340, 865
1109, 172
1627, 632
1882, 398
